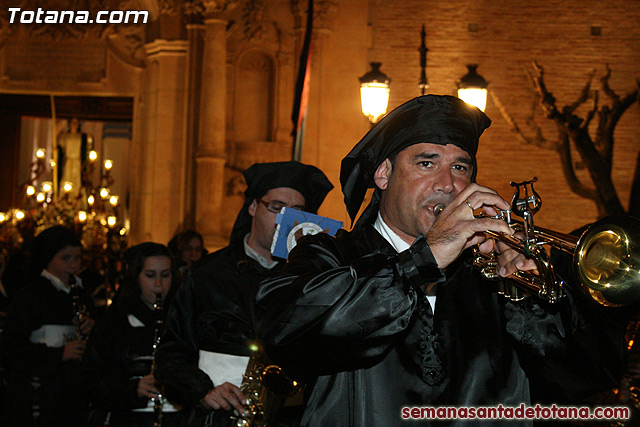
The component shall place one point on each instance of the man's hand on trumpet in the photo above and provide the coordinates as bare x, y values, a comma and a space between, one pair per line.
457, 228
510, 260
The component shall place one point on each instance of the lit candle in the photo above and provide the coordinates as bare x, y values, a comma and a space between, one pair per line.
90, 200
123, 231
104, 192
40, 153
40, 197
82, 216
47, 186
93, 155
52, 163
19, 215
3, 217
111, 220
113, 200
68, 186
31, 190
108, 164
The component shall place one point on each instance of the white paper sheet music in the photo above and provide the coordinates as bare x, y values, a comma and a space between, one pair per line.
222, 367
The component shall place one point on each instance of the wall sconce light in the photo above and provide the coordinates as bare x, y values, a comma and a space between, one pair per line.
374, 93
472, 88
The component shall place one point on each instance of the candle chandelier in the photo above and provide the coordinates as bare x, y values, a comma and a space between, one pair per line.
92, 210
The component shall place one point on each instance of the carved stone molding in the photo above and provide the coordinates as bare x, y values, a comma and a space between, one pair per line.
194, 11
218, 9
62, 30
252, 23
169, 7
324, 13
124, 40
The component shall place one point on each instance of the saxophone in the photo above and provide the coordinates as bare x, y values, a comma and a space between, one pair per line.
266, 387
158, 400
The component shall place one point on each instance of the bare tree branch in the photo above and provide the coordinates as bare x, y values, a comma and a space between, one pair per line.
585, 94
572, 129
547, 101
566, 161
604, 82
538, 140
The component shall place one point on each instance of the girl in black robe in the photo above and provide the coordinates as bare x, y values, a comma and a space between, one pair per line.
118, 362
45, 337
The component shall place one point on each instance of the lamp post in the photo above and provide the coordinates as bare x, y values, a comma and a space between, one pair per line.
374, 93
424, 84
472, 88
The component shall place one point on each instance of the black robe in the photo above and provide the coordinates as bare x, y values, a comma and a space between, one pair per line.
347, 314
58, 393
210, 312
117, 356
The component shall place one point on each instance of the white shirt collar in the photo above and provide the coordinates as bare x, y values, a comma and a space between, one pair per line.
251, 253
57, 283
399, 245
389, 235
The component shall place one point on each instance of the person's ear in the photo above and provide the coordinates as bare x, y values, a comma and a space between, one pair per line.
252, 208
382, 174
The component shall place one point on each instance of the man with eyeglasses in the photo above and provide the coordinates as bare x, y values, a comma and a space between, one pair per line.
208, 333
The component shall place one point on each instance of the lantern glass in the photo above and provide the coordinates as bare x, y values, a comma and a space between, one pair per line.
375, 99
474, 96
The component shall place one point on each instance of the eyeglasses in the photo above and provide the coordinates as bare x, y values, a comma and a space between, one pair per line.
276, 207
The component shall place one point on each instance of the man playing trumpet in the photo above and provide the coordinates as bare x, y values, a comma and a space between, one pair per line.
391, 315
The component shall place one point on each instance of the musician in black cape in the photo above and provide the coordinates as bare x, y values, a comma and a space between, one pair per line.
392, 315
45, 336
209, 332
118, 362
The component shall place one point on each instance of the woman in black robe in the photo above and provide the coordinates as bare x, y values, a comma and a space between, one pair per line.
117, 367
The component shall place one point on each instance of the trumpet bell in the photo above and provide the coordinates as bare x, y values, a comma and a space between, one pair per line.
607, 261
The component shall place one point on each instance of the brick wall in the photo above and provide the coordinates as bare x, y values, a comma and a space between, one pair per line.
510, 35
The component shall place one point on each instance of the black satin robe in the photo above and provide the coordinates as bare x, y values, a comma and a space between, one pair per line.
210, 312
59, 393
117, 356
347, 315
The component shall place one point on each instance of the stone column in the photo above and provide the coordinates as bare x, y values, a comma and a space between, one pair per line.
195, 37
160, 191
211, 152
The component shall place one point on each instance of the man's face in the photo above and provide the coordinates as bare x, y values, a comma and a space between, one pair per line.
422, 175
263, 225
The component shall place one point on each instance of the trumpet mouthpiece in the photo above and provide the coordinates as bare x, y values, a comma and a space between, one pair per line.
438, 208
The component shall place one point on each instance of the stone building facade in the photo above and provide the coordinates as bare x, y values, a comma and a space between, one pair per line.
212, 87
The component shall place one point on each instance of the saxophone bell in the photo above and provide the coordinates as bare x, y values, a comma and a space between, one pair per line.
266, 386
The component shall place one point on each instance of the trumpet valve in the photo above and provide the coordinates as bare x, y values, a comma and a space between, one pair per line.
487, 264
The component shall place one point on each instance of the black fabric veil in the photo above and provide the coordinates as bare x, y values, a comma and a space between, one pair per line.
436, 119
310, 181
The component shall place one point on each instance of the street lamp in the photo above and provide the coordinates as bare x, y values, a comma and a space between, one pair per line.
374, 93
472, 88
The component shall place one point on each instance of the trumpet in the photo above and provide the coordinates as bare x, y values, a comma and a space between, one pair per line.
606, 257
